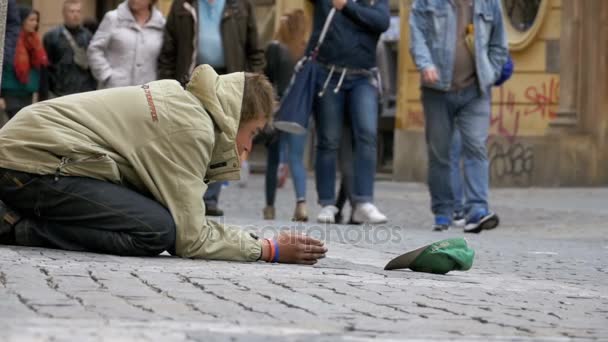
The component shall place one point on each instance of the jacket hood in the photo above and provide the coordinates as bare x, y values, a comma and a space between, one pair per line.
221, 96
156, 19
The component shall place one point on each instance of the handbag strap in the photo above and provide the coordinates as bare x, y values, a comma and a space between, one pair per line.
328, 21
70, 39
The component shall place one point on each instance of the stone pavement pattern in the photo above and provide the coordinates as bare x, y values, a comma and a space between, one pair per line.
542, 275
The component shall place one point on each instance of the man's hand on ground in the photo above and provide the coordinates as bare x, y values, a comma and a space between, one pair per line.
300, 249
430, 75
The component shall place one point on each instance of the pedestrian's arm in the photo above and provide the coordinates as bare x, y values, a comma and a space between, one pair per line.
175, 166
498, 49
96, 52
375, 18
419, 49
49, 41
255, 54
167, 59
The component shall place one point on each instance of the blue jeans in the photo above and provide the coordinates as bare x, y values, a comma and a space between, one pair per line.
456, 172
85, 214
357, 98
468, 111
294, 144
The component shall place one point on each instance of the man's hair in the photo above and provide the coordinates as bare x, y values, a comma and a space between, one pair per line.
258, 98
71, 2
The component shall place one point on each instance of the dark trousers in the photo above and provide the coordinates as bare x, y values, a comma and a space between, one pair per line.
14, 103
84, 214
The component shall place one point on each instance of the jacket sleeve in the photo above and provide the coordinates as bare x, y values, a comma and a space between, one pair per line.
11, 34
375, 18
172, 168
419, 49
255, 54
167, 59
50, 41
100, 67
498, 49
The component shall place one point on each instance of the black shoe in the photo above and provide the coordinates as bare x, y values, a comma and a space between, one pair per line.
338, 217
8, 219
481, 220
214, 211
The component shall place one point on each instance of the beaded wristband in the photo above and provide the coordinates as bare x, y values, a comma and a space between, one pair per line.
275, 252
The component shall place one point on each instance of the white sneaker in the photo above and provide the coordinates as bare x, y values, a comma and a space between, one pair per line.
327, 214
368, 213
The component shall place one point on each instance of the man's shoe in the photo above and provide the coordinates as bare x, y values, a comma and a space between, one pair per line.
269, 213
327, 214
214, 211
8, 219
300, 214
442, 223
458, 219
481, 220
368, 213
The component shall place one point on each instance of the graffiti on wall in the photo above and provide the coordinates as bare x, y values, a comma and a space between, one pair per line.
508, 120
510, 160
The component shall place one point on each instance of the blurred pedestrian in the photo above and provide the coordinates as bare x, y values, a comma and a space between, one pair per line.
21, 77
281, 56
11, 35
456, 78
66, 46
348, 86
126, 46
221, 33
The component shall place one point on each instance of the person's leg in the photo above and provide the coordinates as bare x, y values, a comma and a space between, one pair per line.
328, 115
438, 133
212, 197
14, 103
295, 156
272, 164
363, 112
474, 124
345, 158
457, 178
84, 214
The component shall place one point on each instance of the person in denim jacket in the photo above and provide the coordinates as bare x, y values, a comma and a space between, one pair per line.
459, 47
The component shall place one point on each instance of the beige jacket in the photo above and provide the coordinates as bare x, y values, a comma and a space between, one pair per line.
158, 137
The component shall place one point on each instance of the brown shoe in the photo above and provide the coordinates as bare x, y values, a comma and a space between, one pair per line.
269, 213
300, 214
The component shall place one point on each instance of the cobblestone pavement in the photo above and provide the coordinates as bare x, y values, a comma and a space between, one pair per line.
542, 275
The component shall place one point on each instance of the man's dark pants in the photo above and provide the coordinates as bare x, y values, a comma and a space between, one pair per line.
85, 214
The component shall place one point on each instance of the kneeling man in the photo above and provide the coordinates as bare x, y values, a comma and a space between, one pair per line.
123, 171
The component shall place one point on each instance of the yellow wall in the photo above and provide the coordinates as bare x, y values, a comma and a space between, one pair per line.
523, 106
51, 12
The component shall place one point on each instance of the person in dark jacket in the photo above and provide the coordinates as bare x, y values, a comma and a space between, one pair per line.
11, 34
66, 47
221, 33
236, 35
22, 74
348, 87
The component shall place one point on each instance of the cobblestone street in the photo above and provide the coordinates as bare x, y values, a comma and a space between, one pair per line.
542, 275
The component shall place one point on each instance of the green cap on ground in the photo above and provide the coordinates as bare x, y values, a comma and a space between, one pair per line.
439, 257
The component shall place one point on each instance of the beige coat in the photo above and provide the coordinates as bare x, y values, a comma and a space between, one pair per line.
122, 53
159, 137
